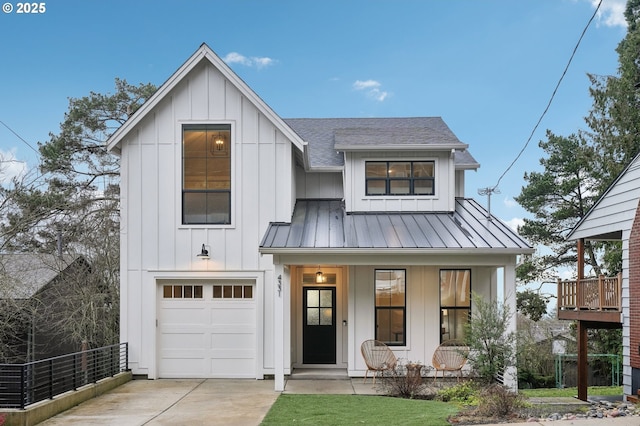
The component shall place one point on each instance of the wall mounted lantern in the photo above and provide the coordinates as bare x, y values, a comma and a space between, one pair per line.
204, 253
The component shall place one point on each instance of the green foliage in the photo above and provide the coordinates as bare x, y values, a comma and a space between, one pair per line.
531, 304
535, 359
579, 168
571, 392
614, 119
492, 346
73, 207
557, 197
463, 393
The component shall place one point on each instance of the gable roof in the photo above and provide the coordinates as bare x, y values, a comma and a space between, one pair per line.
326, 137
323, 224
22, 275
204, 53
615, 209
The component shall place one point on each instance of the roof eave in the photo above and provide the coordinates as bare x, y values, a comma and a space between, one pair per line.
473, 166
399, 251
410, 147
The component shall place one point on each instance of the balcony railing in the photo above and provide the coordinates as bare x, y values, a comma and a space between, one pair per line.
590, 295
24, 384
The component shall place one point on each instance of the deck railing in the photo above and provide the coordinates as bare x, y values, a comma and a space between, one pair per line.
597, 294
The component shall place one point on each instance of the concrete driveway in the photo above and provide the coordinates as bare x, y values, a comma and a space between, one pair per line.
173, 402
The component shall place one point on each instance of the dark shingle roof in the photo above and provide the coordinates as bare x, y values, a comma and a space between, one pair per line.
321, 224
327, 136
22, 275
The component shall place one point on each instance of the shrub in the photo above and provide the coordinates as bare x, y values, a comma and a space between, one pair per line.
403, 382
492, 345
463, 393
498, 401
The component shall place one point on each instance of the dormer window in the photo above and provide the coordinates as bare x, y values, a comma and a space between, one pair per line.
400, 177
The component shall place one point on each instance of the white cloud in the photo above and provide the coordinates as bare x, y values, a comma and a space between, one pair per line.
367, 84
510, 202
611, 13
10, 167
514, 223
254, 61
372, 89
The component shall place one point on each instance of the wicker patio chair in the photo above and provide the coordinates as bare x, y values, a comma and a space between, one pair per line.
378, 358
450, 356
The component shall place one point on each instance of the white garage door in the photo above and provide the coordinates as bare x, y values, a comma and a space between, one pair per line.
207, 330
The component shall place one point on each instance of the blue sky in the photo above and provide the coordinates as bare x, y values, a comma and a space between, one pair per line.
487, 67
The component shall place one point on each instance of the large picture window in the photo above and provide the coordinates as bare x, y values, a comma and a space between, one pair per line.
206, 174
390, 306
455, 303
400, 177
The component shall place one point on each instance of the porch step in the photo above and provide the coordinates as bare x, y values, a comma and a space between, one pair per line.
319, 374
634, 398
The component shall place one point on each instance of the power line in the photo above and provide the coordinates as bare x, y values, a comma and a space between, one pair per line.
489, 190
20, 137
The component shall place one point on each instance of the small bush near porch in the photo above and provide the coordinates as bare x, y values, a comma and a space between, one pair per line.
357, 409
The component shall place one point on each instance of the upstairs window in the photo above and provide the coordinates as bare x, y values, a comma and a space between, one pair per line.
400, 177
206, 174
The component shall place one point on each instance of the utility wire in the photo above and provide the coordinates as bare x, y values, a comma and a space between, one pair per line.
494, 188
20, 137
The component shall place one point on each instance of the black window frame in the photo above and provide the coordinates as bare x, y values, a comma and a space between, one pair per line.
411, 180
403, 308
185, 193
452, 310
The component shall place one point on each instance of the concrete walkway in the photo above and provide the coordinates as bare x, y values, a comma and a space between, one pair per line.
220, 402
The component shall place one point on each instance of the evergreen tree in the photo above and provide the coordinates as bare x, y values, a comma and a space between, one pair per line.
73, 208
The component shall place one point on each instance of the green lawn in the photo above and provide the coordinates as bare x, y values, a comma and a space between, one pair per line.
382, 410
570, 392
356, 410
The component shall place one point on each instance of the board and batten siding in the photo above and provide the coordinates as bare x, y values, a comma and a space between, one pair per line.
355, 190
319, 184
422, 306
616, 211
152, 235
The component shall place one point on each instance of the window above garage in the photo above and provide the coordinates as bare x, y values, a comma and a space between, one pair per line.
206, 174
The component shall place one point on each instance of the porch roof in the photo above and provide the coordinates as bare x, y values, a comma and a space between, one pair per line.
321, 225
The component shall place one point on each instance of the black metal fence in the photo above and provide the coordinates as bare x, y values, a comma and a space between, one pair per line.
24, 384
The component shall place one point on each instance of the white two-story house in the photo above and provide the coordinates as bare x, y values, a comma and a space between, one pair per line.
253, 245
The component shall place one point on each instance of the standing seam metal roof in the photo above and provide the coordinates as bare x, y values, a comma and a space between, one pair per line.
323, 224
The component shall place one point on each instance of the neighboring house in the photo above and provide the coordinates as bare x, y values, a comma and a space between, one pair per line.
610, 302
32, 287
252, 245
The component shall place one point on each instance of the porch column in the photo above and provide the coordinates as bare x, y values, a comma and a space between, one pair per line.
583, 366
580, 265
278, 323
509, 291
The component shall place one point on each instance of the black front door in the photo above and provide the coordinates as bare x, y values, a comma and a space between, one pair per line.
319, 325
